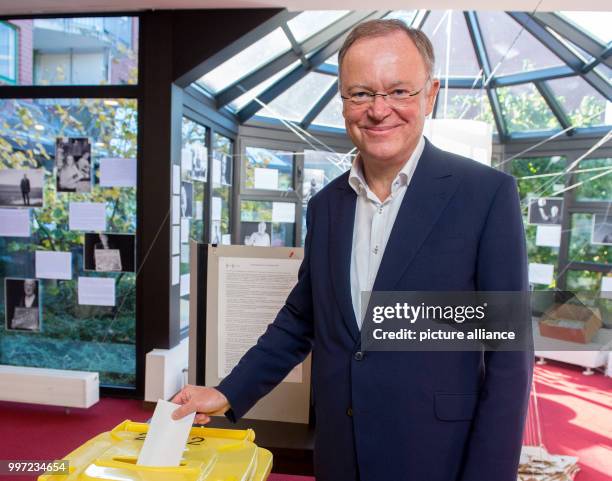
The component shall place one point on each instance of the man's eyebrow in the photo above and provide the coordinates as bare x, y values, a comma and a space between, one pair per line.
391, 85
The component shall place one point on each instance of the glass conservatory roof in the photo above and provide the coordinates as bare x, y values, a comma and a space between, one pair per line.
525, 73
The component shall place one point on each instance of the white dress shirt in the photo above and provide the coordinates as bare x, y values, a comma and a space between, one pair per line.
373, 223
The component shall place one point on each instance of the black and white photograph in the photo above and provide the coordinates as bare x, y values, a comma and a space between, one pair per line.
545, 210
199, 166
601, 233
103, 252
21, 187
73, 164
186, 199
22, 304
226, 169
257, 233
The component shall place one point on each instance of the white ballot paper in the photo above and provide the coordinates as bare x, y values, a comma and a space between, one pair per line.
199, 209
166, 438
185, 231
541, 273
53, 265
176, 179
176, 270
14, 222
176, 209
548, 235
216, 208
118, 172
251, 292
89, 216
96, 291
176, 236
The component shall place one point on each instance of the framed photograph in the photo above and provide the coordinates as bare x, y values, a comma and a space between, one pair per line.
21, 187
545, 210
22, 305
199, 170
73, 164
186, 199
601, 232
104, 252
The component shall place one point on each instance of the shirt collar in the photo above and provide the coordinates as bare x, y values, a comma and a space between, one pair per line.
357, 179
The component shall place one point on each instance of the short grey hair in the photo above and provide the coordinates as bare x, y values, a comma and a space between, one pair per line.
378, 28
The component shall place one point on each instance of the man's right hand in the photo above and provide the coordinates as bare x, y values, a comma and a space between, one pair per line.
204, 401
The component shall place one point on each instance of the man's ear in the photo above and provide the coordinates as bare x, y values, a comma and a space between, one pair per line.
431, 95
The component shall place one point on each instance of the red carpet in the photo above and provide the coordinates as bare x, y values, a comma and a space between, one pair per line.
575, 414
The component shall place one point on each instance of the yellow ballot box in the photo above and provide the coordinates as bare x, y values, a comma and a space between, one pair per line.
210, 455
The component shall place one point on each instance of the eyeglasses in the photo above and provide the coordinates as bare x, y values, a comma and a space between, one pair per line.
395, 98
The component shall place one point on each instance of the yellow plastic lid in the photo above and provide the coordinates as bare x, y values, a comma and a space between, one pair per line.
211, 455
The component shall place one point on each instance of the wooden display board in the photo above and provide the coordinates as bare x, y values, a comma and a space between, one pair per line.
225, 280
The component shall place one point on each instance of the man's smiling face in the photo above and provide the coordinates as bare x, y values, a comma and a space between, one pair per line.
386, 133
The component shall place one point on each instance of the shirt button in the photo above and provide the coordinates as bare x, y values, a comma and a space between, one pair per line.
380, 210
358, 356
349, 412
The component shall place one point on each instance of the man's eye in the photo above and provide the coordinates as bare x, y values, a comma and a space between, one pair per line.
399, 93
360, 95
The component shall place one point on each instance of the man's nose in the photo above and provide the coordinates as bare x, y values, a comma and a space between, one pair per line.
379, 108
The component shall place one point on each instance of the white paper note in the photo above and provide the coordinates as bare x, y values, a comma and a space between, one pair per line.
185, 280
87, 216
118, 172
606, 287
216, 208
283, 212
548, 235
176, 269
15, 223
96, 291
226, 239
176, 209
184, 231
176, 179
166, 438
53, 265
541, 273
266, 178
176, 237
199, 209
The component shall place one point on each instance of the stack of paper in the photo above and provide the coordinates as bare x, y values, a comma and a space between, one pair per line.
538, 465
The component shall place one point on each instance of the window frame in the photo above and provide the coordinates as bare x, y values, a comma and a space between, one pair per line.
15, 32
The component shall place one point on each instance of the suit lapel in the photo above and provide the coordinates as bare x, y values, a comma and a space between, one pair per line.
432, 185
341, 222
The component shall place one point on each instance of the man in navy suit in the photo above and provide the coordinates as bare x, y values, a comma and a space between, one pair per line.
407, 217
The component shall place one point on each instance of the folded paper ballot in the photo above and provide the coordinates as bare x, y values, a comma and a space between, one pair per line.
166, 439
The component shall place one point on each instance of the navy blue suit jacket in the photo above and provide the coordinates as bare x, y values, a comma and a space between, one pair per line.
414, 416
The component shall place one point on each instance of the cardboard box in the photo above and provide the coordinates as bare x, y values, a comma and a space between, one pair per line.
570, 322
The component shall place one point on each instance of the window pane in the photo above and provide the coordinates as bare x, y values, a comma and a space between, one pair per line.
267, 223
527, 53
194, 173
597, 24
582, 103
8, 52
406, 16
465, 104
525, 109
581, 248
523, 170
462, 59
222, 170
295, 102
249, 59
268, 169
595, 189
246, 97
306, 24
72, 335
331, 115
320, 168
78, 51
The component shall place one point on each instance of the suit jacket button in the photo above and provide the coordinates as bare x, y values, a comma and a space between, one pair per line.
349, 412
358, 356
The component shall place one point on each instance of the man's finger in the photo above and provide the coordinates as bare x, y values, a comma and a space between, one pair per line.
182, 411
202, 419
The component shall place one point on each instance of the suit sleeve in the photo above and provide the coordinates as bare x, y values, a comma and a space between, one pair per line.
285, 343
494, 446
